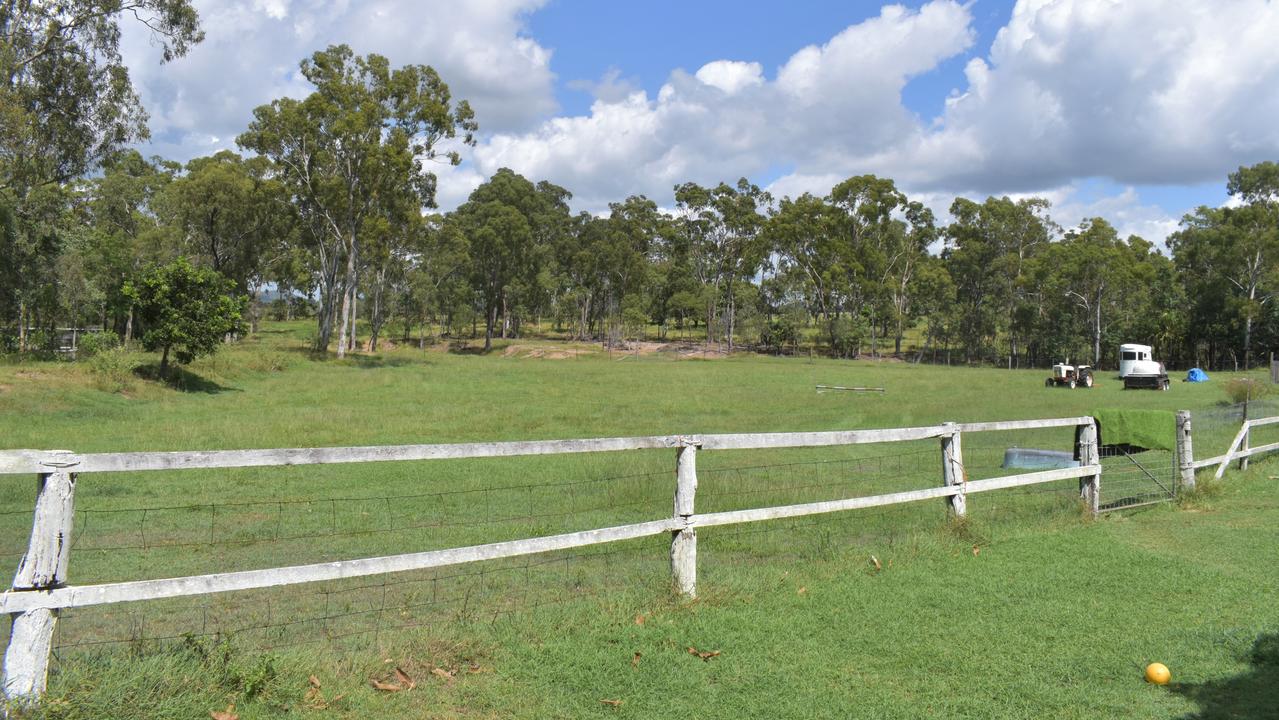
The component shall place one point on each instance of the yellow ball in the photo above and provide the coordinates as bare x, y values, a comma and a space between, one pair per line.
1158, 674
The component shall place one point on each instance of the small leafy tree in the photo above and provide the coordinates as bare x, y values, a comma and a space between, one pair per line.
185, 310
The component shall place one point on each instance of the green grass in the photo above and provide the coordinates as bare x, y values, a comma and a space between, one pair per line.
1026, 610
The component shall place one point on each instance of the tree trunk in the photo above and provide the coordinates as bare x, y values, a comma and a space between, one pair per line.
1247, 329
164, 362
355, 317
22, 325
490, 319
344, 314
345, 331
1096, 333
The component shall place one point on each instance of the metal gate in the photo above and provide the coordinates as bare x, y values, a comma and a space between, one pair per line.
1133, 477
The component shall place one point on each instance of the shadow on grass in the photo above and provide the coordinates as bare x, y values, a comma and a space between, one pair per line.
367, 362
358, 359
1252, 694
462, 347
181, 379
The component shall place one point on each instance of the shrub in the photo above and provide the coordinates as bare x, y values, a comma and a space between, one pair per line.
1245, 389
780, 333
847, 334
112, 370
94, 343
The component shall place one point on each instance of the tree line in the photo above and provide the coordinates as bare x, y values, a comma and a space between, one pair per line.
328, 209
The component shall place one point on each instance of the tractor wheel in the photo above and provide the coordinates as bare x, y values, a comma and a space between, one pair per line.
1088, 381
1072, 384
1164, 385
1048, 382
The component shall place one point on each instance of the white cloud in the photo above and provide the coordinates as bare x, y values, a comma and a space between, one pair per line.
827, 105
731, 76
1140, 91
252, 49
1136, 92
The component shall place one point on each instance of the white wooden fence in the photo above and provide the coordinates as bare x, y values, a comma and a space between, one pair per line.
40, 591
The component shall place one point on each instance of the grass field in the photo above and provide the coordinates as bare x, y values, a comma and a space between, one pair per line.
1026, 610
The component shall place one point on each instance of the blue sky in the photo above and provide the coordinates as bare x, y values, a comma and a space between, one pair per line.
1132, 110
645, 41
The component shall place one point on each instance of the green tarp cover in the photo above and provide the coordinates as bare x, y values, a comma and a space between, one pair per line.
1151, 429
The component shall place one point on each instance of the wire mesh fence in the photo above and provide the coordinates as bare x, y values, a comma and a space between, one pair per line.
128, 527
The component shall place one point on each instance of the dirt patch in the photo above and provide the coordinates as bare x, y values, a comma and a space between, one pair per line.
543, 353
5, 388
694, 350
31, 374
641, 348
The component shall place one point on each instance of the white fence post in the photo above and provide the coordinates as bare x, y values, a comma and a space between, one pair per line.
684, 540
26, 660
1247, 433
952, 467
1090, 454
1185, 450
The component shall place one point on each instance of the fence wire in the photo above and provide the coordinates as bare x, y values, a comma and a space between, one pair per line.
318, 515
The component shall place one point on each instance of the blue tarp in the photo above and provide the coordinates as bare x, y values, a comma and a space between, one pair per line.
1196, 375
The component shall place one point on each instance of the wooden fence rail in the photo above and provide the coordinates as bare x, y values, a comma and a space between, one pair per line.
40, 591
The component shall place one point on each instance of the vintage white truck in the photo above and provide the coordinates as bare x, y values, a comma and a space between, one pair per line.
1138, 370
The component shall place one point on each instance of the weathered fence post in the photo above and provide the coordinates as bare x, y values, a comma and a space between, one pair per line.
952, 467
1247, 432
1090, 454
1185, 451
684, 540
26, 660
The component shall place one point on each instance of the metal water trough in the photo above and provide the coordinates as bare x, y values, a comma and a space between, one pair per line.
1037, 459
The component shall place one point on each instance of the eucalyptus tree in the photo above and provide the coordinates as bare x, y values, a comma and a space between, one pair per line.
879, 251
987, 249
66, 100
123, 230
1227, 258
231, 215
724, 228
362, 136
1256, 258
802, 233
66, 106
511, 226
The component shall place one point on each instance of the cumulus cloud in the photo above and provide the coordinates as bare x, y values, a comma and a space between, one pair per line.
1133, 92
250, 56
825, 107
1140, 91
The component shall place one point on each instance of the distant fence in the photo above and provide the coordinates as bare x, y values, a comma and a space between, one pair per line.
40, 591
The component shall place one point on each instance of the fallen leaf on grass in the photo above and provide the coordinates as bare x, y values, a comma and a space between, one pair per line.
803, 590
976, 550
705, 656
228, 714
384, 686
635, 661
446, 674
639, 619
404, 679
315, 700
314, 682
475, 669
875, 561
614, 703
